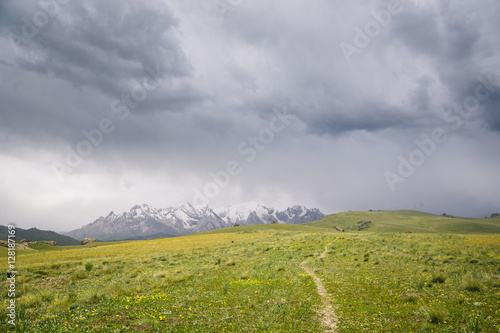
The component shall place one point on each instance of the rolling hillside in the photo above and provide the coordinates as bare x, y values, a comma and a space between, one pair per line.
263, 278
409, 220
382, 221
269, 228
35, 234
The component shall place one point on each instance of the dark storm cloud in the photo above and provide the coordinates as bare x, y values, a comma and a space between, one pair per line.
330, 97
372, 120
102, 50
452, 38
99, 44
459, 42
492, 110
226, 73
439, 33
107, 45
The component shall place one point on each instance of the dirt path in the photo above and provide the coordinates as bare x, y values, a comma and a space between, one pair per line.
329, 319
323, 254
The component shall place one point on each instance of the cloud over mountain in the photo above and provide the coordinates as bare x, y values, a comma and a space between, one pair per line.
155, 97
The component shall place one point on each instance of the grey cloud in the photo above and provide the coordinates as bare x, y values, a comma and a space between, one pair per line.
104, 45
314, 74
225, 75
371, 119
492, 110
420, 97
418, 29
102, 50
457, 41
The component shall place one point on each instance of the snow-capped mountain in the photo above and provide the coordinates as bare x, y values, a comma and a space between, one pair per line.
255, 213
144, 220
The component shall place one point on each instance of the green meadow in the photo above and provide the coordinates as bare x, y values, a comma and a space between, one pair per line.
410, 220
444, 276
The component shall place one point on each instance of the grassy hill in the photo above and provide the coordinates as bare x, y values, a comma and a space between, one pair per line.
255, 279
384, 221
269, 278
305, 227
409, 220
35, 234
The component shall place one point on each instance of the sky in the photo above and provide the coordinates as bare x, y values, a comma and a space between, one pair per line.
329, 104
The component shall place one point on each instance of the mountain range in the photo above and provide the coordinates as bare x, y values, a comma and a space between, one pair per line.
146, 222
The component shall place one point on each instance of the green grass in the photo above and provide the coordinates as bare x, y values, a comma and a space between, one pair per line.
270, 228
409, 220
248, 279
411, 289
206, 283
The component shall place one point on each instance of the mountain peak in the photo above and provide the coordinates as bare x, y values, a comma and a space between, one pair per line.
144, 220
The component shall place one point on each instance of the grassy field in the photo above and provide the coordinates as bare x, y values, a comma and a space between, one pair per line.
250, 279
410, 220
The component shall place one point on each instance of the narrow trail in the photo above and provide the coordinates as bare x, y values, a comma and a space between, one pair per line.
329, 319
323, 254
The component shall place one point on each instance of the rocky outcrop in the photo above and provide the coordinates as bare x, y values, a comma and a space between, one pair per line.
363, 225
86, 241
25, 243
360, 225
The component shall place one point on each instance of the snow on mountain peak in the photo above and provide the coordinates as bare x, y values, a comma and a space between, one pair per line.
144, 220
187, 207
240, 213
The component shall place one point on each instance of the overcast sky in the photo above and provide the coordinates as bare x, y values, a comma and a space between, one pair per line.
339, 105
